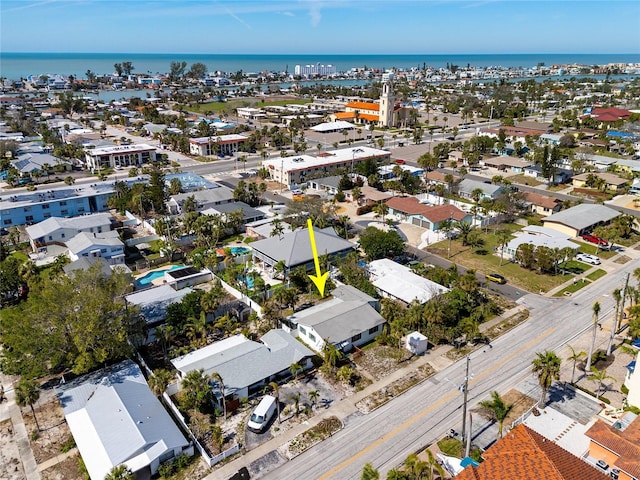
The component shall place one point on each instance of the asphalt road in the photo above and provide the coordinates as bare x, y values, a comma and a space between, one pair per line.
425, 413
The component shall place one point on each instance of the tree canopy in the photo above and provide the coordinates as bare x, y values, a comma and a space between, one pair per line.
377, 243
77, 323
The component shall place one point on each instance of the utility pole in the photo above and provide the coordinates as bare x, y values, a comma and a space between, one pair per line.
465, 389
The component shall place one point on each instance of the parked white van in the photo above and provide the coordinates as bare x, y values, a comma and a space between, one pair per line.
262, 414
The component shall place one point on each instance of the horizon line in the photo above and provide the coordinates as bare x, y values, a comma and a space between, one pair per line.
317, 53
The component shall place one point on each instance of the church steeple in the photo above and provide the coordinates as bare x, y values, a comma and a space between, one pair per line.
386, 105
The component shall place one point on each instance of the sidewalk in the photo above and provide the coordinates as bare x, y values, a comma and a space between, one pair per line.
436, 358
10, 410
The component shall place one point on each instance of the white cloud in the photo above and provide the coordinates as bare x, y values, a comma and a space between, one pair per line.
315, 14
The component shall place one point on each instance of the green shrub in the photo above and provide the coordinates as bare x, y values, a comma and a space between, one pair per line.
68, 445
364, 209
632, 409
624, 390
35, 435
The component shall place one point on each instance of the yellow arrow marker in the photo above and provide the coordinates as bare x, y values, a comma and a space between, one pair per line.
319, 279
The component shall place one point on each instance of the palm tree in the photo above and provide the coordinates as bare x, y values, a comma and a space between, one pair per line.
369, 473
276, 392
296, 402
331, 354
381, 209
433, 464
617, 296
196, 391
120, 472
575, 356
27, 393
159, 381
216, 377
313, 397
596, 312
295, 368
496, 409
600, 376
503, 239
547, 367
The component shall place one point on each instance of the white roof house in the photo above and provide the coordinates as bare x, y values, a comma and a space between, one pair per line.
115, 419
60, 229
153, 302
244, 365
399, 282
539, 237
106, 245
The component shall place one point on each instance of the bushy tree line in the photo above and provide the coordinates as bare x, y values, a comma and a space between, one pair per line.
445, 317
70, 323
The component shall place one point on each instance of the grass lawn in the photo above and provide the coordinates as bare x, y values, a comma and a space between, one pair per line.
593, 276
594, 250
525, 180
482, 259
572, 288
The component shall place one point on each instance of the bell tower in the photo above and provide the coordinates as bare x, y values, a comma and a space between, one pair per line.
386, 105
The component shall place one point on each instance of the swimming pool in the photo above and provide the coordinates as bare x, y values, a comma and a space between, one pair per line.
149, 277
240, 250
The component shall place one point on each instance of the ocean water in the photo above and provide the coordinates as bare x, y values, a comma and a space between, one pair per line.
20, 65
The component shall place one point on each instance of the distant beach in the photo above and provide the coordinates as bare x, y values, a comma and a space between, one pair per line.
20, 65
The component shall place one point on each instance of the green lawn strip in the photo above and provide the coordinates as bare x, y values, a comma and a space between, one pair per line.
593, 276
573, 288
483, 260
524, 180
592, 249
451, 447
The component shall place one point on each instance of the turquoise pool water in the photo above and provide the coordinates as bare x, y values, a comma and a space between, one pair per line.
240, 250
151, 276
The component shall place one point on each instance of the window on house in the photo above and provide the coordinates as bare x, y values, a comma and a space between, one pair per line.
312, 337
8, 221
302, 330
27, 209
45, 206
374, 329
357, 337
29, 218
63, 204
64, 212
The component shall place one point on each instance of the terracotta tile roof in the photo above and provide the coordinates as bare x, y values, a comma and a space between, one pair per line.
618, 113
624, 443
344, 115
364, 105
541, 200
411, 206
525, 454
368, 116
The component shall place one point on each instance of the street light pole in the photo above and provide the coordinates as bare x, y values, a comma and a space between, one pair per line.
465, 387
281, 173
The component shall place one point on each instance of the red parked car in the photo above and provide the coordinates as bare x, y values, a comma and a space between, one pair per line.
601, 242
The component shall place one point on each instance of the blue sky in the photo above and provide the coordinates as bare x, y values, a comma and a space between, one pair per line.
328, 26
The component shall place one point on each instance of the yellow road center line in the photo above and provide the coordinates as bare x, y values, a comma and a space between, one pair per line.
421, 414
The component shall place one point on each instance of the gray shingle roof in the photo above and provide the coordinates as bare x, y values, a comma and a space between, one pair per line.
467, 185
583, 216
295, 247
83, 222
84, 240
242, 362
340, 318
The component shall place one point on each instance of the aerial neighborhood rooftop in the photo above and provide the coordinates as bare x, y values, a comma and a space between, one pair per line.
215, 272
